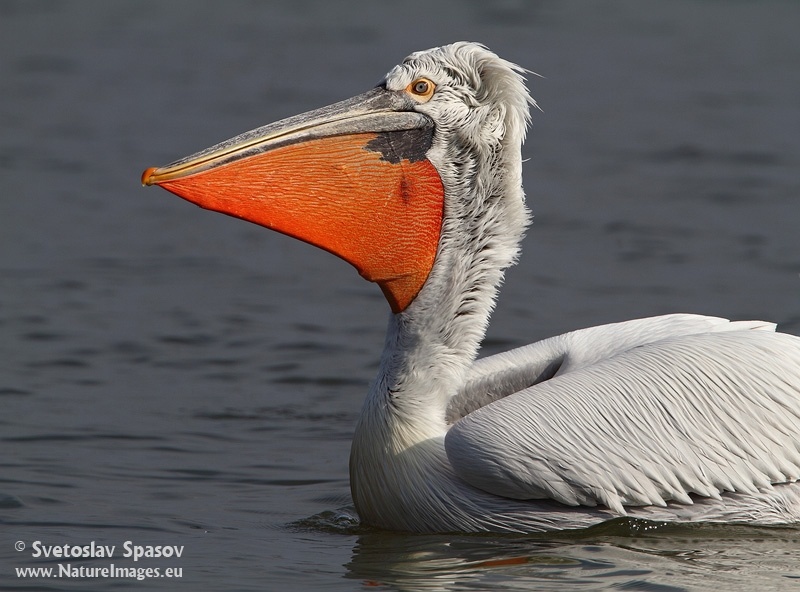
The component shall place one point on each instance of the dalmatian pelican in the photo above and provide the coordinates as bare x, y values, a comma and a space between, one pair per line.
418, 184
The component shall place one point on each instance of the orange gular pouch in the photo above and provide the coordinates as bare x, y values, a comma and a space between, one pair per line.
373, 199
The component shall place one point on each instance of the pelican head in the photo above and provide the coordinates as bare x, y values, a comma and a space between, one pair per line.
370, 178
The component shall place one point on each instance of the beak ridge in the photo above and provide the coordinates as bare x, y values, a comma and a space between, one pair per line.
375, 111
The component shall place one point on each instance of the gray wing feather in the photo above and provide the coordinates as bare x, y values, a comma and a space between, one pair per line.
498, 376
695, 414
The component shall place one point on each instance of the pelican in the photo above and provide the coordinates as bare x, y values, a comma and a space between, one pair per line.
418, 184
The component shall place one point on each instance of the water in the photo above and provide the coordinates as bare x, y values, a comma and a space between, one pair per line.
174, 377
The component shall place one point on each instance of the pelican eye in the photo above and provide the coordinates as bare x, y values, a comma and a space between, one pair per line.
422, 89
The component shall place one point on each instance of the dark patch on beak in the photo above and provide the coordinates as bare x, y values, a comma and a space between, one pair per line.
411, 145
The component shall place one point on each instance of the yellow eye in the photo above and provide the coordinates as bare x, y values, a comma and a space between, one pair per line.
421, 88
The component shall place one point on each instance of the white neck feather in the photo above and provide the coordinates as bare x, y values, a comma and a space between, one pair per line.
431, 345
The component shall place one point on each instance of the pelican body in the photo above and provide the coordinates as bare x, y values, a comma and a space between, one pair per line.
418, 184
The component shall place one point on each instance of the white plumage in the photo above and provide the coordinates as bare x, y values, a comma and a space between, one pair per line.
679, 417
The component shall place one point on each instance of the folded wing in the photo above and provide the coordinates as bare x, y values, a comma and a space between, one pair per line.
651, 417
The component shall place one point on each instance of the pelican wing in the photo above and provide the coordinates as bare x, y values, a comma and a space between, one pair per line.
637, 413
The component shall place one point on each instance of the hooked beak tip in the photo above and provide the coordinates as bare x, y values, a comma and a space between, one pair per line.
147, 176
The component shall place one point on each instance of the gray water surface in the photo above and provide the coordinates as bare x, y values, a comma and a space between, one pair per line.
169, 376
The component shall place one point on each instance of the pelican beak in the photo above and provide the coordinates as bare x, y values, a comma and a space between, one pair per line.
352, 178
